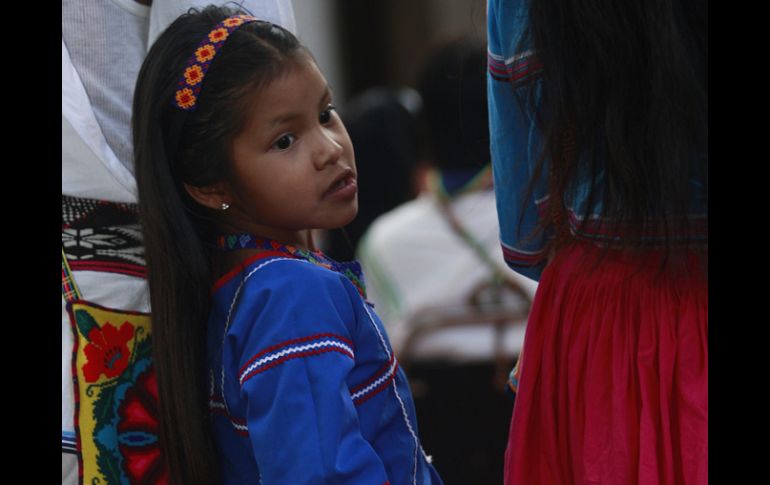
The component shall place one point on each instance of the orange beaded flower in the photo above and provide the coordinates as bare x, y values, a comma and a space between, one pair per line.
218, 35
205, 53
193, 75
233, 22
191, 81
185, 98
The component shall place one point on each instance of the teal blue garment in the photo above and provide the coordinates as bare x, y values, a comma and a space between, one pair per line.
516, 145
304, 384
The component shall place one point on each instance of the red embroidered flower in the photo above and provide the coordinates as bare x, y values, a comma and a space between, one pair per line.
205, 53
193, 75
107, 351
233, 22
185, 98
218, 35
138, 430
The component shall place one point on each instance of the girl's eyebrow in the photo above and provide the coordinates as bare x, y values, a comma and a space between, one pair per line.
287, 117
284, 118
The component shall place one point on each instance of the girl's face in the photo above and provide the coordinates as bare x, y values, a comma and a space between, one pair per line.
293, 163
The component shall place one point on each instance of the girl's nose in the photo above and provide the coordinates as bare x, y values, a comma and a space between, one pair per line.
328, 149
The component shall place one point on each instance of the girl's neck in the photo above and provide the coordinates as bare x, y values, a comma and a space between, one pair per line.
302, 239
224, 261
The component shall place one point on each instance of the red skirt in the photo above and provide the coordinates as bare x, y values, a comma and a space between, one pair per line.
613, 382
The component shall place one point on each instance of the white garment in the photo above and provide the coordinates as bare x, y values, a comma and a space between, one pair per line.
106, 42
413, 260
103, 45
276, 11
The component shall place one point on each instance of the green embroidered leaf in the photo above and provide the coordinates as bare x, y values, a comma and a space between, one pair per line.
143, 350
107, 464
85, 322
104, 406
104, 413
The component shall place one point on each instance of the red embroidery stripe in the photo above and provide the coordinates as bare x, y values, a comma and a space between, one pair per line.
292, 342
283, 359
520, 259
522, 74
522, 64
107, 267
377, 375
494, 61
498, 70
500, 78
233, 420
242, 266
377, 390
518, 256
520, 68
516, 76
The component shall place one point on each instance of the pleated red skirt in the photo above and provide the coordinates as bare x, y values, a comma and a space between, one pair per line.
613, 383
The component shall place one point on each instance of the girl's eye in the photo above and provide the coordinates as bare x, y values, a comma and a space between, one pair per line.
326, 115
284, 142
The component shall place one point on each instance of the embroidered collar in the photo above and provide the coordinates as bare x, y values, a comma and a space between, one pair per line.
349, 269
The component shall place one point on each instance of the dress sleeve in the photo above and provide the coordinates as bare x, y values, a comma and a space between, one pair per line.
294, 358
515, 139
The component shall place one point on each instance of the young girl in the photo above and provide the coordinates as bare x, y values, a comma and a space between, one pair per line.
598, 116
271, 365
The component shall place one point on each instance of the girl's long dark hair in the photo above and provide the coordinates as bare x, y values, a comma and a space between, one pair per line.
172, 148
624, 102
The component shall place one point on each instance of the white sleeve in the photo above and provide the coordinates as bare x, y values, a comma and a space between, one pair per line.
163, 12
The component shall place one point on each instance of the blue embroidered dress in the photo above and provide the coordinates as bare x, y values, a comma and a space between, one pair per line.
304, 384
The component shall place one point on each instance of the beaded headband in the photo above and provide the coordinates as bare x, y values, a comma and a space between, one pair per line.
189, 85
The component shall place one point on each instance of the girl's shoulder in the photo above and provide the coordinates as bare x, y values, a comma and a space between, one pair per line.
289, 279
276, 298
273, 270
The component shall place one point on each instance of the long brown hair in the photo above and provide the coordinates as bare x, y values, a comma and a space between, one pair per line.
173, 148
623, 104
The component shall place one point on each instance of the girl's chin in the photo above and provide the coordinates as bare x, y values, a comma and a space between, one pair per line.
347, 218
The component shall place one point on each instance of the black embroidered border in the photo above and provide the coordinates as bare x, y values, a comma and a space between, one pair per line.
102, 236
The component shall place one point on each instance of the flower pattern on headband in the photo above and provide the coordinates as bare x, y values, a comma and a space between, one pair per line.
233, 21
218, 35
205, 53
185, 98
193, 75
189, 85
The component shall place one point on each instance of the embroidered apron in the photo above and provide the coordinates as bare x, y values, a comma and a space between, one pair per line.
116, 412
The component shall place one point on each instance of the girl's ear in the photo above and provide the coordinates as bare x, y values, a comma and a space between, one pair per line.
211, 196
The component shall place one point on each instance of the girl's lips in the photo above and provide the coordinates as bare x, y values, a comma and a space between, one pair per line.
344, 188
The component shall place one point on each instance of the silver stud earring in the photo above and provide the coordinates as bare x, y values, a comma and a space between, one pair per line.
225, 206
